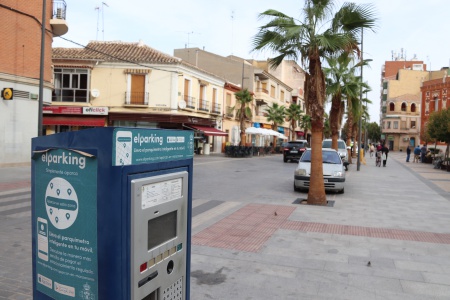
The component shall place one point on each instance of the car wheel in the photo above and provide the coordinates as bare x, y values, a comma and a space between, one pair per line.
285, 159
341, 191
296, 188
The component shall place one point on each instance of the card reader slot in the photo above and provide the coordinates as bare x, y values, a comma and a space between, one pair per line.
147, 279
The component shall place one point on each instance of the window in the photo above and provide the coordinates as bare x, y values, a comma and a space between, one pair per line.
391, 106
413, 107
282, 96
388, 125
272, 91
436, 103
187, 94
71, 85
413, 124
264, 87
403, 106
203, 104
215, 103
395, 124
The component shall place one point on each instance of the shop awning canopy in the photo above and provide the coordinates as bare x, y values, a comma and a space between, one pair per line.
209, 130
74, 121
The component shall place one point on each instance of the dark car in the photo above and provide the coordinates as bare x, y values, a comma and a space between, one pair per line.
293, 150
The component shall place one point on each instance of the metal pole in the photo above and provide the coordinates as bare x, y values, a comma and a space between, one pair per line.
41, 71
358, 164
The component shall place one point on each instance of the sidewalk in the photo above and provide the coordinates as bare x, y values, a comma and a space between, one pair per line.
397, 218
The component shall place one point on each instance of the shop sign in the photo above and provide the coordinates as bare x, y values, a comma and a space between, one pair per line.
75, 110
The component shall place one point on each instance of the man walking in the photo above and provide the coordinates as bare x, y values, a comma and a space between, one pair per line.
408, 153
423, 152
416, 154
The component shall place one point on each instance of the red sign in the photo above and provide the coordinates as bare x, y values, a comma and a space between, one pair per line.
67, 110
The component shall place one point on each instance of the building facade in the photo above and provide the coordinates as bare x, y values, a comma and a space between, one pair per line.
134, 85
400, 103
20, 68
268, 85
435, 95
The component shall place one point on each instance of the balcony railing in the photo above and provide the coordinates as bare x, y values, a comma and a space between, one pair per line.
229, 112
190, 101
261, 90
216, 108
59, 9
136, 98
204, 105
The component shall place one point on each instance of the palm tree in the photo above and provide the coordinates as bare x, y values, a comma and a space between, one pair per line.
243, 112
340, 86
312, 39
293, 115
276, 114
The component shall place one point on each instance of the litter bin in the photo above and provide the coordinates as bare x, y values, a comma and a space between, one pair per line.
206, 149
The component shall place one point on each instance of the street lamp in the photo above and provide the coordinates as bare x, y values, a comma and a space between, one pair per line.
41, 71
358, 160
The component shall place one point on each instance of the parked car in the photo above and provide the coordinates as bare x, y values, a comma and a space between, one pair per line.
342, 148
333, 171
294, 149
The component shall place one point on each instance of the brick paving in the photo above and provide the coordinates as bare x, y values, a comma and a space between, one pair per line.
251, 226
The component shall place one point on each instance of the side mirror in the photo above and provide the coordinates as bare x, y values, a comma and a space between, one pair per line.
348, 147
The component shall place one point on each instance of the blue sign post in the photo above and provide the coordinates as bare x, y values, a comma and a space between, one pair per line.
96, 234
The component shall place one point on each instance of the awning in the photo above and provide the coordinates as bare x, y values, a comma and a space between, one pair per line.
209, 130
74, 121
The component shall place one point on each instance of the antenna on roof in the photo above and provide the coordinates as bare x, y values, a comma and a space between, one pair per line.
232, 30
103, 18
97, 8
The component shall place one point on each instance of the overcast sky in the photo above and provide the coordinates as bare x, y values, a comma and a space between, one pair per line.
411, 27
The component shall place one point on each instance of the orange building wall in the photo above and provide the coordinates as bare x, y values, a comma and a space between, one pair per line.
430, 90
20, 36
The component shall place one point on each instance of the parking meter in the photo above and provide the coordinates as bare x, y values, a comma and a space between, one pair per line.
111, 214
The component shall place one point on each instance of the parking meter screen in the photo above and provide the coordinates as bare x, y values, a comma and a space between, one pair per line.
162, 229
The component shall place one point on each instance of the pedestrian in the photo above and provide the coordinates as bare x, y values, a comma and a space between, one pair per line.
379, 147
408, 153
416, 154
372, 149
423, 152
385, 152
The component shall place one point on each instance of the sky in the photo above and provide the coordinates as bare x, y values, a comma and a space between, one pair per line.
405, 28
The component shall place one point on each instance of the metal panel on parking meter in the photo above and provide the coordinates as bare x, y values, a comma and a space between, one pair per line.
66, 210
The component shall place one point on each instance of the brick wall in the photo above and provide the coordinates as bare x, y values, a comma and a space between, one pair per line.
20, 45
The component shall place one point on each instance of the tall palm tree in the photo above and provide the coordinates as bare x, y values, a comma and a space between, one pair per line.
340, 86
276, 114
243, 111
318, 35
293, 115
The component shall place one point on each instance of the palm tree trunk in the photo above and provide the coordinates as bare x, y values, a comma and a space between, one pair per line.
316, 194
334, 120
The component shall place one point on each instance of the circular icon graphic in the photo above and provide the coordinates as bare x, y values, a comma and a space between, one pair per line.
61, 203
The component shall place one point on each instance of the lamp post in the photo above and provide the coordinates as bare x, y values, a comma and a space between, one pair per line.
41, 71
358, 160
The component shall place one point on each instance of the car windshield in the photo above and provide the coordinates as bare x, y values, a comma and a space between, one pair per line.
327, 144
328, 157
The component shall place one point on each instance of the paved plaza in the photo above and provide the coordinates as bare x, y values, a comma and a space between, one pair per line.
387, 237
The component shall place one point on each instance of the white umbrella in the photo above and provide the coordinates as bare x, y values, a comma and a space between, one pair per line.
253, 130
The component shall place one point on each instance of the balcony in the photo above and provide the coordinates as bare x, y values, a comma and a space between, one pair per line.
136, 98
58, 19
216, 108
229, 112
190, 101
203, 105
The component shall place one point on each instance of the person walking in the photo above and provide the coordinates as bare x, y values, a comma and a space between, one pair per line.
423, 152
416, 154
372, 149
384, 154
408, 153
